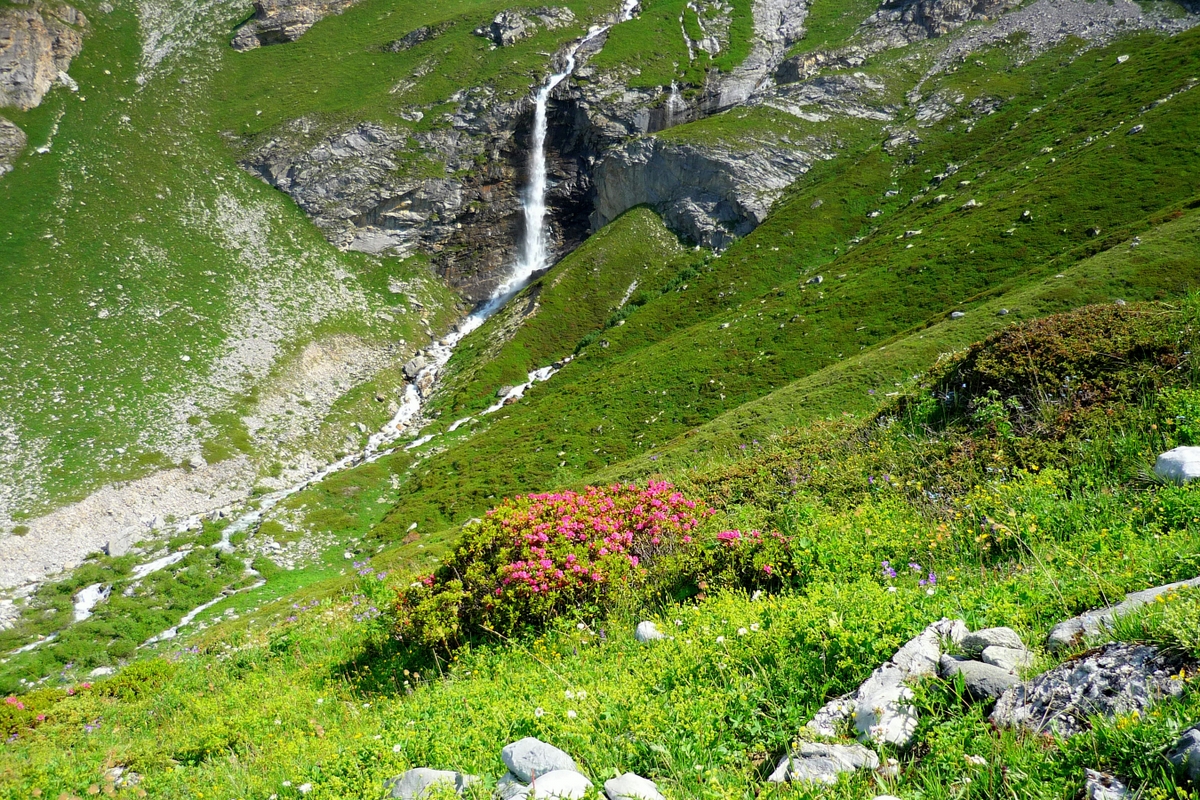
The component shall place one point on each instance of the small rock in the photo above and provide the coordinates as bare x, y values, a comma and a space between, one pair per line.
957, 315
1185, 755
983, 681
1180, 465
911, 234
561, 784
417, 783
1135, 129
973, 644
647, 631
822, 763
631, 787
816, 280
883, 710
817, 203
100, 672
972, 203
1002, 312
1009, 658
1093, 231
530, 756
1102, 786
414, 367
504, 391
1121, 59
1118, 678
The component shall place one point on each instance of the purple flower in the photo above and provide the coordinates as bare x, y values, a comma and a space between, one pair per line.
930, 581
888, 572
914, 566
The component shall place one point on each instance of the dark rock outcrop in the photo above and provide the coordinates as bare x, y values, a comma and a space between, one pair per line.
514, 24
37, 43
278, 21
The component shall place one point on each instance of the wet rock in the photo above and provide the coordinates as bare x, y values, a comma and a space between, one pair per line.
973, 644
417, 784
37, 43
12, 143
631, 787
413, 367
279, 21
1093, 624
812, 762
1185, 755
529, 757
983, 681
1118, 678
1180, 465
647, 631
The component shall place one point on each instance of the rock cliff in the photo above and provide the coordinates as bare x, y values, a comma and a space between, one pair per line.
37, 44
278, 21
12, 142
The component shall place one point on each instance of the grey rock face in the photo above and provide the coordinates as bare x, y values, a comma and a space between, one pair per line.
983, 681
417, 36
513, 25
823, 763
1182, 464
1185, 755
529, 757
12, 142
906, 21
631, 787
1118, 678
709, 194
1007, 658
37, 43
777, 25
973, 644
1093, 624
1102, 786
417, 784
279, 21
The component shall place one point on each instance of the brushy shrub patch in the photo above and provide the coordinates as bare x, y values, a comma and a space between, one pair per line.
539, 556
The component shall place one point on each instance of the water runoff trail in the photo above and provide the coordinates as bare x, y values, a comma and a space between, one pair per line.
534, 257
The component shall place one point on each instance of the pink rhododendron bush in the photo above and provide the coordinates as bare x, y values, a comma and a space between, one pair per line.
537, 556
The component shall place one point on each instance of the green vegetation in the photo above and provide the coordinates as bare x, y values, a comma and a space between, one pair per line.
1047, 466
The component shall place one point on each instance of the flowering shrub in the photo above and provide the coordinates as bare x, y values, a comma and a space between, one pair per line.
535, 556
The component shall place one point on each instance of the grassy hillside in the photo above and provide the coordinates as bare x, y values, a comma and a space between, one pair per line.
264, 705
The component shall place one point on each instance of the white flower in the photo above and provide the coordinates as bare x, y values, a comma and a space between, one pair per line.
396, 748
720, 640
366, 705
304, 788
976, 761
377, 737
582, 695
742, 631
571, 714
931, 591
287, 783
569, 694
754, 627
581, 626
892, 589
678, 623
320, 700
278, 722
539, 711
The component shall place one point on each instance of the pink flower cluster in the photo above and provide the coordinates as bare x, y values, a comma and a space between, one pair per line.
573, 539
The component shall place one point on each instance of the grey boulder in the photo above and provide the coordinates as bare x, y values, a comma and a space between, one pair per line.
1118, 678
973, 644
1185, 755
647, 631
983, 681
832, 716
631, 787
1179, 465
812, 762
561, 784
416, 784
532, 757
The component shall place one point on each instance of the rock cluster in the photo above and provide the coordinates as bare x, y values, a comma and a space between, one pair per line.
535, 770
514, 24
37, 43
278, 21
1091, 624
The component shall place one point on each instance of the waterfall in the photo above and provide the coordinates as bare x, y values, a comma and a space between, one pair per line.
534, 256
